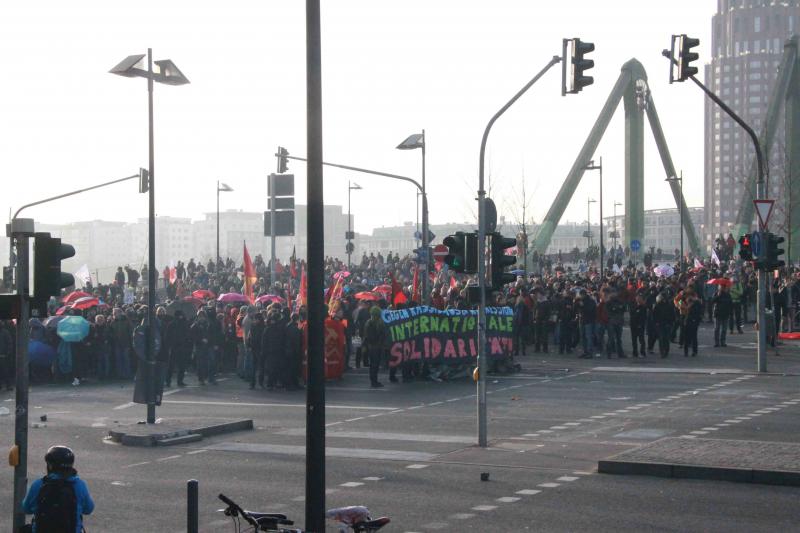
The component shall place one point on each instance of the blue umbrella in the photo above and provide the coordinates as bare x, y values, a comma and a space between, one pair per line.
518, 272
40, 353
73, 329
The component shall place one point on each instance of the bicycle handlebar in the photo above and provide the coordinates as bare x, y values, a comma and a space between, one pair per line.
241, 512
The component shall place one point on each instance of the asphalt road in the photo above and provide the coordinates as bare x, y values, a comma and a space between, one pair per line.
407, 451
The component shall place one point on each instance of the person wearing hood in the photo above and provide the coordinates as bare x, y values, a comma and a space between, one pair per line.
376, 337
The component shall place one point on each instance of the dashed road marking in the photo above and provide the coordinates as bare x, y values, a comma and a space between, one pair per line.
508, 499
417, 466
549, 485
566, 478
528, 492
169, 458
461, 516
484, 508
351, 484
137, 464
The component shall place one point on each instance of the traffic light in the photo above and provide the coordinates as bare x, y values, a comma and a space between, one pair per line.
575, 50
745, 252
283, 162
499, 260
350, 248
773, 256
144, 180
462, 252
48, 280
684, 46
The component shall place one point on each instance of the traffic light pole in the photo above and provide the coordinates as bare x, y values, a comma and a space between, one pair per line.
760, 194
21, 238
419, 187
482, 363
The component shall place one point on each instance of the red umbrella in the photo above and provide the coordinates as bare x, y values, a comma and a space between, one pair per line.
204, 294
368, 296
71, 297
197, 302
386, 289
269, 298
85, 303
61, 310
341, 274
232, 297
722, 282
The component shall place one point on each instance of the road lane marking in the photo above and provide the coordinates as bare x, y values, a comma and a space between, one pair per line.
168, 458
528, 492
351, 484
292, 405
359, 453
566, 478
484, 508
549, 485
508, 499
137, 464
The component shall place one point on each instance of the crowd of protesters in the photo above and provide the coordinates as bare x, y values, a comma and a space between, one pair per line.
555, 307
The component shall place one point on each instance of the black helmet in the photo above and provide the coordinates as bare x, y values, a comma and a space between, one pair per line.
59, 457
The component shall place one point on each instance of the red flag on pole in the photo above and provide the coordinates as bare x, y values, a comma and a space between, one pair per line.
415, 287
250, 276
397, 292
453, 283
293, 263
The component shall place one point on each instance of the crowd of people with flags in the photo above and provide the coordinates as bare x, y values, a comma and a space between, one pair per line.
226, 317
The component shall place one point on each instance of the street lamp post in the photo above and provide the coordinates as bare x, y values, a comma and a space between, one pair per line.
680, 209
221, 187
350, 187
589, 203
592, 166
615, 224
167, 73
412, 142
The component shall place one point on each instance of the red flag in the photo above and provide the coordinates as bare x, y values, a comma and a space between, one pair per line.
278, 267
293, 264
453, 282
289, 301
415, 287
173, 274
397, 292
250, 276
335, 291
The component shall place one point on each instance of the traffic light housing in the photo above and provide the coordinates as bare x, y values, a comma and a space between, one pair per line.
144, 181
684, 45
773, 259
499, 260
462, 252
48, 280
283, 162
745, 251
577, 64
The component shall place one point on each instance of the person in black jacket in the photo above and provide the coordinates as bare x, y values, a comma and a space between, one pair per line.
723, 305
521, 323
639, 312
663, 319
273, 349
179, 343
254, 340
294, 352
375, 340
566, 323
541, 319
692, 322
201, 337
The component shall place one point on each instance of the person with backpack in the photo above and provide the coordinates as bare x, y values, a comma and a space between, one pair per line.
59, 500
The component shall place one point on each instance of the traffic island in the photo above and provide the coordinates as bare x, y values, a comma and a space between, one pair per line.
743, 461
174, 431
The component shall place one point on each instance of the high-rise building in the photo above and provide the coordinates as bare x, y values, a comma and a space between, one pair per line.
747, 38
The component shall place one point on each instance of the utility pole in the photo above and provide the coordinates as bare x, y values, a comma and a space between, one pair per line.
687, 72
21, 229
482, 363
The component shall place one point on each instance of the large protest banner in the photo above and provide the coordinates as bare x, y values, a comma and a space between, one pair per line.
428, 334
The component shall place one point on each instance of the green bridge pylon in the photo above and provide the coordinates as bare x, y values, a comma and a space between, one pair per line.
633, 88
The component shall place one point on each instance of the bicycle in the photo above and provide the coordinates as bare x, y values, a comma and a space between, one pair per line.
356, 518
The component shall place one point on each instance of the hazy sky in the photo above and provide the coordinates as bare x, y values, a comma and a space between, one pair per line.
389, 70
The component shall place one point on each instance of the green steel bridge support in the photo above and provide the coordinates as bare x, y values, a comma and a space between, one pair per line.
631, 87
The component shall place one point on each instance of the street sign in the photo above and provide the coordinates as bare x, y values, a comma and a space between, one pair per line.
763, 210
756, 244
439, 252
635, 245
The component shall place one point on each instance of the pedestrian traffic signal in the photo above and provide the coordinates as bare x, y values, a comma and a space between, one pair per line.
48, 280
683, 45
576, 64
462, 252
745, 251
500, 260
283, 162
773, 259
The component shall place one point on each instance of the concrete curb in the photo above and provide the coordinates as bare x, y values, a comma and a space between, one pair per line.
178, 436
716, 473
